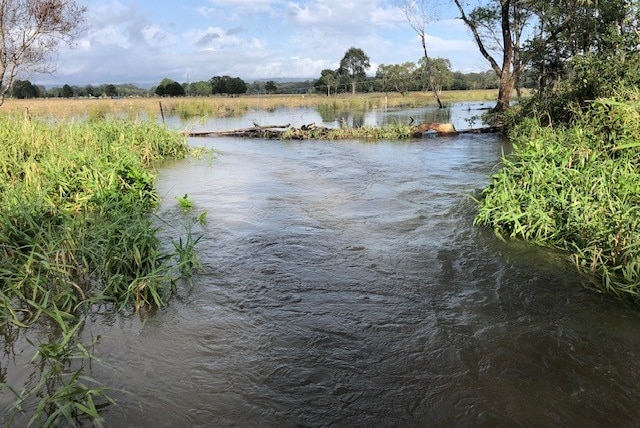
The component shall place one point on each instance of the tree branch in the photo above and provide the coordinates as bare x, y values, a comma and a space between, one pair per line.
476, 35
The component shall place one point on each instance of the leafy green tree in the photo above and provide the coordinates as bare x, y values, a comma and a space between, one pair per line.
238, 86
397, 77
175, 89
201, 88
354, 66
23, 89
128, 89
440, 75
53, 92
575, 51
511, 34
78, 91
67, 91
110, 90
228, 85
166, 81
598, 50
90, 91
270, 87
169, 88
328, 79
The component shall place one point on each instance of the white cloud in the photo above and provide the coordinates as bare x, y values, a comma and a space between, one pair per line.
254, 4
157, 37
213, 39
145, 40
343, 16
387, 17
109, 35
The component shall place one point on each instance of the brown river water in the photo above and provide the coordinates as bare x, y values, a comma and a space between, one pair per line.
345, 285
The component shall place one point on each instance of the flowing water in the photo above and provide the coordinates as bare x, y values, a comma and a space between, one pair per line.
345, 285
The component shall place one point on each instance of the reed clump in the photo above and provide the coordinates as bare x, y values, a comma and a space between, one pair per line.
76, 232
75, 220
576, 188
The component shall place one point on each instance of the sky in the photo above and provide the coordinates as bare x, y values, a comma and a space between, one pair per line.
144, 41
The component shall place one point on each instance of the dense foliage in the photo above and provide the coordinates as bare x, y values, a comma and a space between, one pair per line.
577, 188
547, 36
568, 81
572, 181
228, 85
353, 67
76, 199
76, 234
23, 89
170, 88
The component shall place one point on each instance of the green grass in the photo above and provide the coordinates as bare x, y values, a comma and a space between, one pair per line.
577, 189
77, 230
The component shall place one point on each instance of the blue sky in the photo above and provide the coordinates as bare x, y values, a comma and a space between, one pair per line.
144, 41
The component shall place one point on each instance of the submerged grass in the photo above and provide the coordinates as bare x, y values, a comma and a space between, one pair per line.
76, 230
578, 189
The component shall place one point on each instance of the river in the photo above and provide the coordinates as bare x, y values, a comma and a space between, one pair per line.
345, 285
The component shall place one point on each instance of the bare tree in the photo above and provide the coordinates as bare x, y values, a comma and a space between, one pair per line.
417, 17
30, 32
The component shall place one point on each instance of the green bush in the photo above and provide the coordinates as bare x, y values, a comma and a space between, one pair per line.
576, 188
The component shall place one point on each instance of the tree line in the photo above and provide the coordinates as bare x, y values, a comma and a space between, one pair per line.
400, 78
423, 75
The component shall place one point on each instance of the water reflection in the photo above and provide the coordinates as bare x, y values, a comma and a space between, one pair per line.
461, 115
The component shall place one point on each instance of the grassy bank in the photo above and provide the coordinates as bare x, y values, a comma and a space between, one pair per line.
226, 106
576, 188
77, 233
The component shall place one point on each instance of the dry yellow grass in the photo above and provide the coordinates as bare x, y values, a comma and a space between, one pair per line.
226, 106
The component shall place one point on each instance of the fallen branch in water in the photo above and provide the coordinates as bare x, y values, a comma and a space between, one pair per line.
269, 132
312, 131
256, 131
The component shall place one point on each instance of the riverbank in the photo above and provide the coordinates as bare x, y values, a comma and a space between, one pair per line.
76, 236
576, 188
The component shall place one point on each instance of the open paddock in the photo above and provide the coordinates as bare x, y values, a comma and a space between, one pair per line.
219, 106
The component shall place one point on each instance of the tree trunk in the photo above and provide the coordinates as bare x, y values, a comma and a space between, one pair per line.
504, 92
428, 66
507, 77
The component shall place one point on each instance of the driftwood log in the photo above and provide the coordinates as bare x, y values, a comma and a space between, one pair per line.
270, 132
256, 131
273, 132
